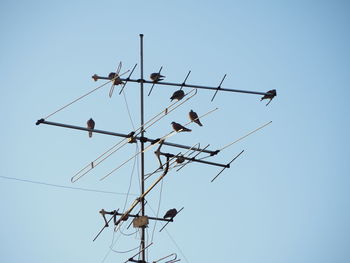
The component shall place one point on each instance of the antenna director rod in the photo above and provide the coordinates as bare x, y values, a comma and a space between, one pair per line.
189, 86
42, 121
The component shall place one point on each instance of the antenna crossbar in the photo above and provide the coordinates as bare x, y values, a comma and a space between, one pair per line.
190, 86
116, 213
139, 138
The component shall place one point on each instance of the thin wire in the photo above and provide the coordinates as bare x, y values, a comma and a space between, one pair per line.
172, 239
130, 182
78, 99
128, 110
121, 252
125, 234
110, 250
133, 126
113, 242
126, 200
160, 199
63, 186
147, 238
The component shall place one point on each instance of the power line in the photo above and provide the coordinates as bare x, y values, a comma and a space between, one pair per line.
63, 186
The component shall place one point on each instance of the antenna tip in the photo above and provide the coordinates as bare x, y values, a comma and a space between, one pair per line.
40, 121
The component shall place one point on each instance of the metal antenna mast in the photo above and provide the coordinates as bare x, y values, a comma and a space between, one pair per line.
172, 160
142, 153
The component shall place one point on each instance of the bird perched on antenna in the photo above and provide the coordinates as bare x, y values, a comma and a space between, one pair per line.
194, 117
155, 77
90, 125
180, 159
179, 128
170, 213
270, 95
131, 138
178, 95
115, 76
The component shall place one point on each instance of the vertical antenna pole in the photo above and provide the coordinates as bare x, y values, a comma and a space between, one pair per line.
142, 248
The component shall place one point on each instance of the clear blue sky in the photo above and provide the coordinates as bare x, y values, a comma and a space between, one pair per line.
286, 199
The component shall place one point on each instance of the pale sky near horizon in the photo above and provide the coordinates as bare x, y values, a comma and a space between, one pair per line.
285, 199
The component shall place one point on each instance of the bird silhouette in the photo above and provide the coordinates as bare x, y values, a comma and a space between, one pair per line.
178, 95
156, 77
194, 117
117, 80
180, 159
131, 138
170, 213
270, 95
90, 125
179, 128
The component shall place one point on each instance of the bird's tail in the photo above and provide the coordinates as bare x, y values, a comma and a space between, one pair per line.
90, 134
186, 130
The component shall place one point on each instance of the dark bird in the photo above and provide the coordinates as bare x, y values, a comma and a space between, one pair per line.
179, 128
90, 125
125, 217
115, 76
269, 96
156, 77
95, 77
180, 159
178, 95
131, 138
194, 117
170, 213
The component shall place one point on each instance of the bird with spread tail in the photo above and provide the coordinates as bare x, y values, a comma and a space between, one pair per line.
155, 77
179, 128
90, 125
194, 117
178, 95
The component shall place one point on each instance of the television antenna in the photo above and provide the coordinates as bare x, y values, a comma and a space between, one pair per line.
172, 161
